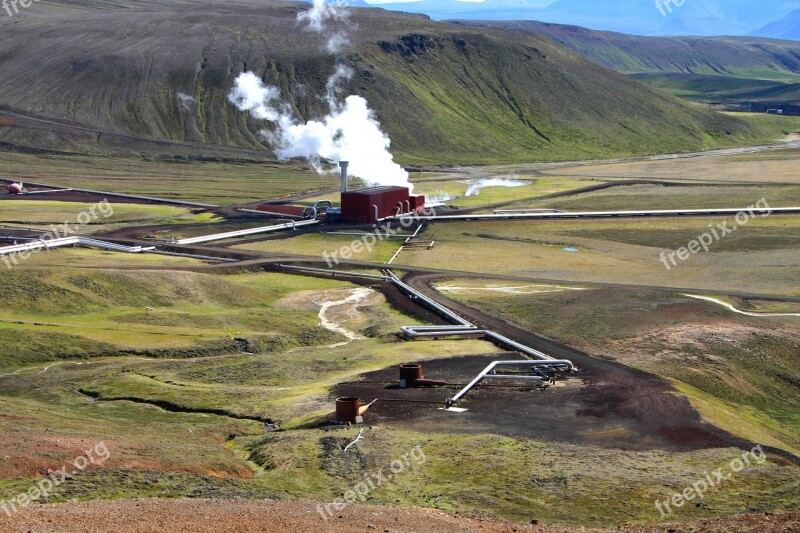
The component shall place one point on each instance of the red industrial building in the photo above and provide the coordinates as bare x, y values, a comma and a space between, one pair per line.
367, 206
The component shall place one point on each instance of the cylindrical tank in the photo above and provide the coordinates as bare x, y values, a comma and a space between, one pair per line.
15, 188
410, 373
411, 377
347, 409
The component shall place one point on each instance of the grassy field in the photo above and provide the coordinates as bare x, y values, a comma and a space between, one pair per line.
215, 183
759, 257
89, 258
141, 359
168, 454
318, 244
777, 124
40, 214
489, 195
517, 478
163, 454
176, 371
771, 167
635, 197
71, 312
740, 371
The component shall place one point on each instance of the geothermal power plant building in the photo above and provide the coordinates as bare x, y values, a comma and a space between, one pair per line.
368, 206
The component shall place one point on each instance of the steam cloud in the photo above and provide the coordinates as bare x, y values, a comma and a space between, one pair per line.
185, 101
349, 132
319, 14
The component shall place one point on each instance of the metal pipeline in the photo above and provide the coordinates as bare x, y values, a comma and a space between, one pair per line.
334, 273
287, 221
464, 327
542, 364
554, 364
47, 244
603, 214
427, 301
246, 232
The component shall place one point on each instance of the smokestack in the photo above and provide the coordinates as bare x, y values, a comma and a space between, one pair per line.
343, 165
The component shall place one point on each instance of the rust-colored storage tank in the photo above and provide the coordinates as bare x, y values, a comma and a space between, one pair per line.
411, 377
347, 409
360, 206
410, 373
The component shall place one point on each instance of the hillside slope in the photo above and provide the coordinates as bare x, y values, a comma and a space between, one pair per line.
748, 57
444, 93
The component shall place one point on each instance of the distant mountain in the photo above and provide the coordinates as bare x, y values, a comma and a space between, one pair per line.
750, 73
705, 18
785, 28
745, 57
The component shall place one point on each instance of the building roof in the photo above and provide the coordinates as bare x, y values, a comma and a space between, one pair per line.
378, 190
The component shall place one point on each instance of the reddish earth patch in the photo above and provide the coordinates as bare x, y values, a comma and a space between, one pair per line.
251, 516
291, 210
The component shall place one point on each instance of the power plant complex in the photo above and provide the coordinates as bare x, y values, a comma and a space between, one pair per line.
368, 205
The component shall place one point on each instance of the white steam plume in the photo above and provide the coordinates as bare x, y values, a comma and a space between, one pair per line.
337, 42
185, 101
349, 132
319, 14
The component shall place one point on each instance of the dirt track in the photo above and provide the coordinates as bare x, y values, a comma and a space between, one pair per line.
251, 516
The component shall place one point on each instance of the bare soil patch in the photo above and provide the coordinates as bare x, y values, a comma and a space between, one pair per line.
251, 516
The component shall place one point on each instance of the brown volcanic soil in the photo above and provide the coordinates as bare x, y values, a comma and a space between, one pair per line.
246, 516
606, 404
622, 410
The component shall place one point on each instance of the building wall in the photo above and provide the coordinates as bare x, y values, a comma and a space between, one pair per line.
357, 206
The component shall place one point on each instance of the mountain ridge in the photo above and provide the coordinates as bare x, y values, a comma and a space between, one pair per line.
443, 92
786, 28
733, 56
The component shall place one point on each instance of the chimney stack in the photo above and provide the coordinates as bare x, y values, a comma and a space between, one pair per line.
343, 165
